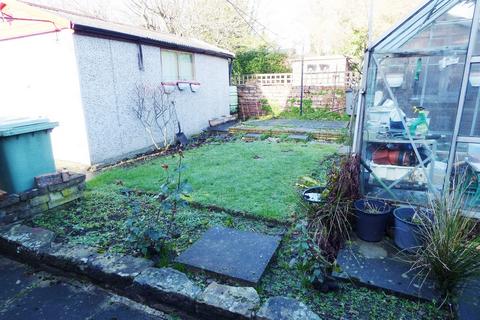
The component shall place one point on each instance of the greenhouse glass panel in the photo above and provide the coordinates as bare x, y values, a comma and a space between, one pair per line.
411, 104
451, 30
411, 25
467, 169
470, 123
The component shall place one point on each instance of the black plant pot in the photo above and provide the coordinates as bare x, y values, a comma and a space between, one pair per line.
313, 195
371, 226
407, 235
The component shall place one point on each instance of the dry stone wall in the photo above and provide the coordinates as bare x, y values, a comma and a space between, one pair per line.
51, 190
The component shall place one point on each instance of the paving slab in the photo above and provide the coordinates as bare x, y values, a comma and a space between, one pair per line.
239, 255
319, 130
469, 301
381, 265
252, 136
70, 257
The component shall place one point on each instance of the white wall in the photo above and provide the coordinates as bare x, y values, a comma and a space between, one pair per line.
108, 71
38, 77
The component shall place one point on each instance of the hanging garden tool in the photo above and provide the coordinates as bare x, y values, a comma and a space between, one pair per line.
416, 78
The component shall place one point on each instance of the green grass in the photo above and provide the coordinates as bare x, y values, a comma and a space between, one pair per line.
257, 177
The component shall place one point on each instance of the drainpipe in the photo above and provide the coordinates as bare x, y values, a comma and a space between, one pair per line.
301, 84
230, 71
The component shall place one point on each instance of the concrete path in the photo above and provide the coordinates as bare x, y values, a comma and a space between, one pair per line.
27, 294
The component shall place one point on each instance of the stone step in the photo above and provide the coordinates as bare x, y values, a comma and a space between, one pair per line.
252, 136
252, 133
299, 137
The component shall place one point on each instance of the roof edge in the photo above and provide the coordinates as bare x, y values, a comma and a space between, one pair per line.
398, 25
105, 33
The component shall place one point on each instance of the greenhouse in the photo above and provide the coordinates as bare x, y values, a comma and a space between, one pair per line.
418, 119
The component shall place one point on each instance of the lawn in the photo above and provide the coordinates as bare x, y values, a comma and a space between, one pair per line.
256, 177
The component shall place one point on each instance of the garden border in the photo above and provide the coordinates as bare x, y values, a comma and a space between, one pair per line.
164, 289
194, 143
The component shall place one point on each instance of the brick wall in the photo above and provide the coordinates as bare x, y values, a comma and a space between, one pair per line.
249, 97
51, 190
322, 97
249, 101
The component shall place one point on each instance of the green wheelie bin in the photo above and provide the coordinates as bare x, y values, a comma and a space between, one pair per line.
25, 152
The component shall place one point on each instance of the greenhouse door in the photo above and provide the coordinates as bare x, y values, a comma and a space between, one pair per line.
465, 153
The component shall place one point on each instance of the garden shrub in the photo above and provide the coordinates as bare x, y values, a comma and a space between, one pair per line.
451, 253
149, 233
310, 113
330, 225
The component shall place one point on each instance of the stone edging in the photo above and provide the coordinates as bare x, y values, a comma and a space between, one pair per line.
136, 278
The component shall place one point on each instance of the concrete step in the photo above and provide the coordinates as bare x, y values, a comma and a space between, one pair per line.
299, 137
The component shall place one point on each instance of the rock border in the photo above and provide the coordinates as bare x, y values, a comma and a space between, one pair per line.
165, 289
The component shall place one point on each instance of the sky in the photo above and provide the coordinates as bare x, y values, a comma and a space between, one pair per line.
290, 20
287, 22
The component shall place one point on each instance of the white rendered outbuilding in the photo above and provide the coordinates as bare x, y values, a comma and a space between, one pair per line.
83, 73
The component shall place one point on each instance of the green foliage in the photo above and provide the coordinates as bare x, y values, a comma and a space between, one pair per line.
345, 138
260, 60
265, 106
144, 230
355, 47
330, 225
310, 113
451, 253
150, 233
265, 135
310, 261
272, 110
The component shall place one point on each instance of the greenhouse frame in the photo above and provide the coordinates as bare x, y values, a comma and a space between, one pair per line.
418, 114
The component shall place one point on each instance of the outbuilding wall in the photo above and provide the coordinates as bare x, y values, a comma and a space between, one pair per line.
109, 72
39, 77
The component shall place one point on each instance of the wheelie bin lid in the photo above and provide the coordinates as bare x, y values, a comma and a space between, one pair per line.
15, 126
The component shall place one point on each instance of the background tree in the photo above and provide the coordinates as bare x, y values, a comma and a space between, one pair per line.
260, 60
215, 21
341, 26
